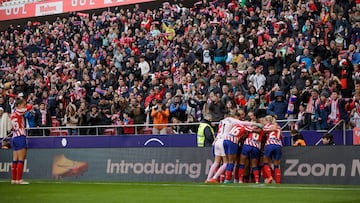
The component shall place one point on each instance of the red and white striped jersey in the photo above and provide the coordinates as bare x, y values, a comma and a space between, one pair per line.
274, 134
226, 125
236, 132
254, 139
18, 121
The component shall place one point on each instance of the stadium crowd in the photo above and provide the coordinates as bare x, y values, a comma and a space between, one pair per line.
294, 59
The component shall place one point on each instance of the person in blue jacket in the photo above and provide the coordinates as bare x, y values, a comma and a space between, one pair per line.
278, 107
178, 109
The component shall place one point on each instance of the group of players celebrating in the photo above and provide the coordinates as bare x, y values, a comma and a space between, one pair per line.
247, 147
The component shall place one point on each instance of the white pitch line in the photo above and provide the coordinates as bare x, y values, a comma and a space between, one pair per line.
255, 186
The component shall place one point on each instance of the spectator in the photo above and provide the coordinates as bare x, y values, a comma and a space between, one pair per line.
216, 107
11, 103
355, 110
258, 79
178, 109
328, 139
138, 114
71, 119
191, 128
82, 112
311, 99
278, 107
160, 115
251, 105
60, 114
336, 109
273, 79
43, 119
93, 119
197, 103
347, 83
297, 138
4, 105
178, 129
322, 112
144, 65
105, 119
30, 117
127, 120
5, 123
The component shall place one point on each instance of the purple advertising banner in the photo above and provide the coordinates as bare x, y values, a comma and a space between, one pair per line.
173, 140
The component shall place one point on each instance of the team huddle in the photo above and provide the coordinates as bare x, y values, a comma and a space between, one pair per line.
244, 149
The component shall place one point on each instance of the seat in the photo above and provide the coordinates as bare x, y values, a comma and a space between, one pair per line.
147, 131
58, 132
110, 131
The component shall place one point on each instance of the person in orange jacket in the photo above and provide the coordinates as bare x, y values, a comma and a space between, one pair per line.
160, 114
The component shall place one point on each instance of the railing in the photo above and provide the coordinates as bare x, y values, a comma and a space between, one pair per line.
97, 128
63, 129
333, 128
147, 129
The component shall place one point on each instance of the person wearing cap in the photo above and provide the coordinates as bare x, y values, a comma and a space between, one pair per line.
160, 114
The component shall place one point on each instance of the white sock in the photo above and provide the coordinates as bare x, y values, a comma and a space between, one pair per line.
220, 171
212, 170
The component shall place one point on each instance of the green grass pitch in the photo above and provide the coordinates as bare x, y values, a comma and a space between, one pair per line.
48, 191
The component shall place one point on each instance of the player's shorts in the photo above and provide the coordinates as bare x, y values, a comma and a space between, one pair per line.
219, 148
18, 143
273, 151
250, 151
230, 147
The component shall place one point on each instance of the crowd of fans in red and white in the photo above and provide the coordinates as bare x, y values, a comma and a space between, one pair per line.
293, 59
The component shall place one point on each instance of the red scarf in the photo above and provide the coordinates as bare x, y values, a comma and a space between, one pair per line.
334, 116
43, 117
357, 108
311, 105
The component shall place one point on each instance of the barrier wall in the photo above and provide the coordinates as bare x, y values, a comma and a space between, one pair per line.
311, 165
183, 140
172, 140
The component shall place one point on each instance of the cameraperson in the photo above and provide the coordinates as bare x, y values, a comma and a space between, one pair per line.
160, 115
